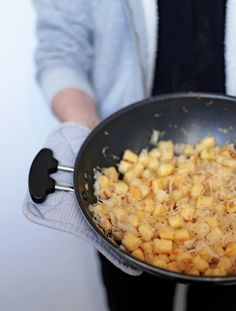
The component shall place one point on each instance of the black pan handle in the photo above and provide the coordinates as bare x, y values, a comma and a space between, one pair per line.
40, 183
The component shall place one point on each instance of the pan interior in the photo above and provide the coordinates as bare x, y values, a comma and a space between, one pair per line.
183, 118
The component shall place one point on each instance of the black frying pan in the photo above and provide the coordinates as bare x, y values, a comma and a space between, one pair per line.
184, 118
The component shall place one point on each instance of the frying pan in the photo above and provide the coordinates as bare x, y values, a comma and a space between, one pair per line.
183, 118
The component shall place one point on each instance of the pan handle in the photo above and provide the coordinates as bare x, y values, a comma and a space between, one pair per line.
40, 183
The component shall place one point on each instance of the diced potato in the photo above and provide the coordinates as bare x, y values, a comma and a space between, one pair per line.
181, 235
172, 267
208, 141
138, 253
145, 190
131, 241
215, 272
159, 210
226, 264
162, 196
207, 154
177, 194
147, 174
217, 231
111, 173
103, 181
197, 191
188, 213
200, 264
167, 150
106, 224
230, 250
153, 164
162, 246
124, 166
149, 206
220, 208
133, 220
138, 168
146, 231
143, 157
189, 150
176, 252
129, 177
159, 262
219, 159
205, 201
156, 185
130, 156
184, 261
192, 271
230, 207
134, 193
212, 221
165, 169
166, 233
120, 187
176, 221
147, 248
155, 153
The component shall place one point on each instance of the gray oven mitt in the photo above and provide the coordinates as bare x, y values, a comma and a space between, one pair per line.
61, 210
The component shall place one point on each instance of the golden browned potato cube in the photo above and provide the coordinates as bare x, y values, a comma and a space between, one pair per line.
189, 150
153, 164
133, 220
111, 173
220, 208
162, 196
146, 231
138, 253
188, 213
147, 174
156, 185
166, 233
181, 235
143, 157
134, 193
159, 210
172, 267
167, 150
197, 190
155, 153
212, 221
131, 241
106, 224
200, 264
145, 190
120, 187
165, 169
226, 264
176, 221
177, 195
103, 182
147, 248
184, 261
230, 250
192, 271
217, 231
101, 208
230, 207
130, 156
215, 272
162, 246
207, 154
176, 252
138, 168
205, 201
149, 206
159, 262
208, 141
124, 166
219, 159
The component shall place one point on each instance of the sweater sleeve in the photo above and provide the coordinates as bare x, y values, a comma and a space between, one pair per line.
64, 53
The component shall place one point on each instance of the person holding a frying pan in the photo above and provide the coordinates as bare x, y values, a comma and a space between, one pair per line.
95, 57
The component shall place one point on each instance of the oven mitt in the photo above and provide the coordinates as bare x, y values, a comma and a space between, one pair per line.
60, 210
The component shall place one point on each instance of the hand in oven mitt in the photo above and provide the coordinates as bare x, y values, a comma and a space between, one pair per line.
60, 210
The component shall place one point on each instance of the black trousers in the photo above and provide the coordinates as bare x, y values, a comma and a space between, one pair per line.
125, 292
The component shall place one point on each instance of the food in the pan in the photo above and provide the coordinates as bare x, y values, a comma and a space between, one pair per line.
173, 207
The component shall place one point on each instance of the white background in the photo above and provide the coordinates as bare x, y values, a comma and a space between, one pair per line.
40, 269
